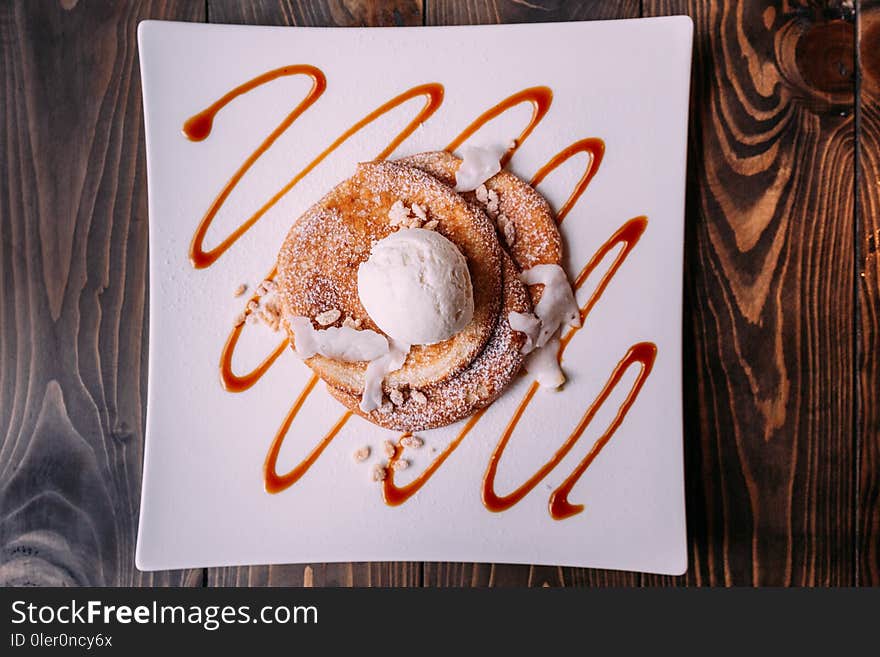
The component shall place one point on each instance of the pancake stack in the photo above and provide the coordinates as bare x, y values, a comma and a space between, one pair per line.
501, 228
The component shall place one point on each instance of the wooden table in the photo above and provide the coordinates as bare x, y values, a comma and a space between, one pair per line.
782, 309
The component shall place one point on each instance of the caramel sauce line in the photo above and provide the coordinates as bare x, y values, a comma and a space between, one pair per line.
274, 482
199, 126
628, 235
396, 495
231, 381
201, 258
559, 506
644, 353
595, 148
540, 97
235, 383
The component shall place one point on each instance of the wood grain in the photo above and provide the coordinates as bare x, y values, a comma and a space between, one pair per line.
323, 574
868, 266
327, 13
769, 278
481, 12
73, 267
782, 291
342, 14
444, 574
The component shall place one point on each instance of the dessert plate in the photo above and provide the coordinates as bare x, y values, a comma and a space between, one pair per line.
597, 116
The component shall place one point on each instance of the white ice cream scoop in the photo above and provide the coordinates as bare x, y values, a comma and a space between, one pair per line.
416, 287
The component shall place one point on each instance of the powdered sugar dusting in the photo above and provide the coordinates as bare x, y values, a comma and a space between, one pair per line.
474, 388
317, 265
362, 210
533, 237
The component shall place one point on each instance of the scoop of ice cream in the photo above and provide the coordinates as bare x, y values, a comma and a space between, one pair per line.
416, 287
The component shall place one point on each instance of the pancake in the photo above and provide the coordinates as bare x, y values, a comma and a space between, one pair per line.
536, 239
481, 383
319, 260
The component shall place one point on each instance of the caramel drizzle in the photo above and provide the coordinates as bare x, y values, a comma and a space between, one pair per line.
199, 127
274, 482
540, 98
644, 352
396, 495
233, 382
560, 508
595, 148
628, 235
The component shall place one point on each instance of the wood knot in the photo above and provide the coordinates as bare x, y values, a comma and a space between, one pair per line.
869, 50
816, 58
122, 433
824, 56
40, 558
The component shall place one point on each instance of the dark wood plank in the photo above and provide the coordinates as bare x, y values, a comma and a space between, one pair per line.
73, 273
325, 13
771, 343
444, 574
322, 574
869, 294
769, 319
458, 12
481, 12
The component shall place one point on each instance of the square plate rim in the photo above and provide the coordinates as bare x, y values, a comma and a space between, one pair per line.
145, 30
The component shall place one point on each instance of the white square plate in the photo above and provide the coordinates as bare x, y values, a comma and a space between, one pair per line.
203, 501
